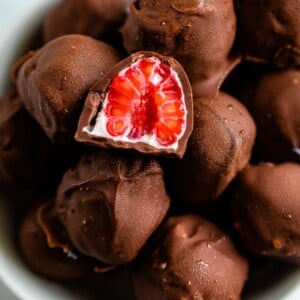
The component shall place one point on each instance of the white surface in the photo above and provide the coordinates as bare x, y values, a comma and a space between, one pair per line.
18, 20
5, 293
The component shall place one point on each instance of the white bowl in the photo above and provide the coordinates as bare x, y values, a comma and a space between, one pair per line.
19, 20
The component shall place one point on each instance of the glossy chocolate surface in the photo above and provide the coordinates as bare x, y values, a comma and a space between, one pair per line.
191, 259
266, 210
110, 204
54, 80
51, 262
220, 146
199, 34
268, 31
274, 103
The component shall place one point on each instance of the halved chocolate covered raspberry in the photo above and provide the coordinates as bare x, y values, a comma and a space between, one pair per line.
143, 103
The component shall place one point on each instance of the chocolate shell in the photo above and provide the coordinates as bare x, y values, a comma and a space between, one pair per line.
51, 262
191, 259
268, 31
96, 18
153, 101
199, 34
24, 149
266, 210
274, 102
111, 204
54, 80
220, 146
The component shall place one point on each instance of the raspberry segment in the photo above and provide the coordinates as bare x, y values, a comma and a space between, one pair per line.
146, 99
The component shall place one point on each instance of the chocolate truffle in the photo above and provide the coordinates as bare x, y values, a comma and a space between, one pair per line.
54, 80
144, 103
268, 31
24, 149
95, 18
110, 204
51, 262
199, 34
275, 105
219, 147
191, 259
266, 210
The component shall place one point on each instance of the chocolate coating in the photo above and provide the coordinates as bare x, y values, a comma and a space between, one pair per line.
89, 17
269, 31
24, 149
275, 106
192, 259
54, 80
199, 34
220, 146
52, 263
110, 205
96, 97
266, 210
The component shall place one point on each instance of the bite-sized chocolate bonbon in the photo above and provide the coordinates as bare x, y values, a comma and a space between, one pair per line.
269, 31
144, 103
199, 34
190, 259
266, 210
54, 80
96, 18
110, 204
52, 262
219, 147
24, 149
274, 101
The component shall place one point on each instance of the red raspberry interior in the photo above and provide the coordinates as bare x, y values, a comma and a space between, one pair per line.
146, 98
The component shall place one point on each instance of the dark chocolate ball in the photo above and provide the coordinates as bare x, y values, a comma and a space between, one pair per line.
110, 204
51, 262
269, 31
274, 102
199, 34
54, 80
24, 148
191, 259
95, 18
266, 210
220, 146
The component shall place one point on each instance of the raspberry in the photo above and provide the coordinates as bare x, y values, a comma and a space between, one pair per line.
147, 101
